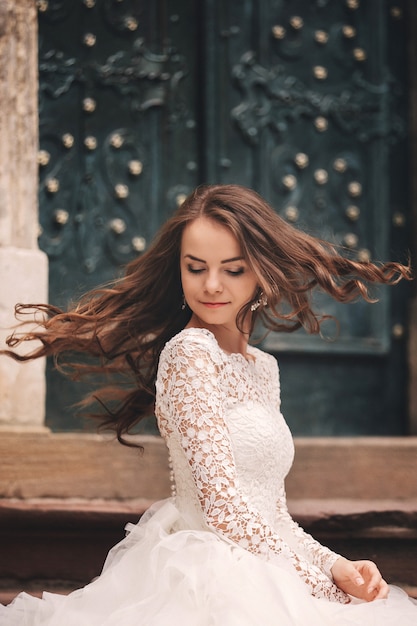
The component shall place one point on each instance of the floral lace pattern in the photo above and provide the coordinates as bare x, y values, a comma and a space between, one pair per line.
303, 542
231, 450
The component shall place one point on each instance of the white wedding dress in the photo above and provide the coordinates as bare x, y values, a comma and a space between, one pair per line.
224, 549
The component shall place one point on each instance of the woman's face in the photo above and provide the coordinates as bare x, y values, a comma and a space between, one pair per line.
216, 279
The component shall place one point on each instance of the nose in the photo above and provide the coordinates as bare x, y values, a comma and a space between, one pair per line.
213, 283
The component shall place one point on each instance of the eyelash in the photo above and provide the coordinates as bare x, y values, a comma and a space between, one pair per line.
230, 272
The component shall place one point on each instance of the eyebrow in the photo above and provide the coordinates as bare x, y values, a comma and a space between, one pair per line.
194, 258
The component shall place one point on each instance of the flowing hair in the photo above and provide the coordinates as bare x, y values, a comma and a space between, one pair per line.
122, 327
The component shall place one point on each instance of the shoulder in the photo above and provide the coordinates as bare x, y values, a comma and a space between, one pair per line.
264, 358
191, 344
194, 339
192, 357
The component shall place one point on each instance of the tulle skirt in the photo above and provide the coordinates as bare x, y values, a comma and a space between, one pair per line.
159, 575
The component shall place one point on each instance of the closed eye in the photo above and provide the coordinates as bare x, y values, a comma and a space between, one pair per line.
236, 272
195, 270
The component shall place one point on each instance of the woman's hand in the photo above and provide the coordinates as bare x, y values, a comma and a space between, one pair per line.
361, 579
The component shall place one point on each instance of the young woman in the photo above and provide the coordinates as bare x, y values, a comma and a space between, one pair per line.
224, 549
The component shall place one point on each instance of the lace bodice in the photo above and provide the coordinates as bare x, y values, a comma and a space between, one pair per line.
231, 450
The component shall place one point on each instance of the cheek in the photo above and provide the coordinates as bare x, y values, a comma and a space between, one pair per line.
251, 286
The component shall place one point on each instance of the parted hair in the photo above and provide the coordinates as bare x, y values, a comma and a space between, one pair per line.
122, 327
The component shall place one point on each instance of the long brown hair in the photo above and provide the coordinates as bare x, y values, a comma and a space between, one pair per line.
123, 327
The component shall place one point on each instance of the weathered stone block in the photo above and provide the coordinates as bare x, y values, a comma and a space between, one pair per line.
23, 278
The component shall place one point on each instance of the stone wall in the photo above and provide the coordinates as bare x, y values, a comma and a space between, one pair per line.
23, 268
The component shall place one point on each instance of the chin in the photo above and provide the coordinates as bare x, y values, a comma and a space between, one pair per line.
212, 318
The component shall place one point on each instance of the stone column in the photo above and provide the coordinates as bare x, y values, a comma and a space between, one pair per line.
23, 267
412, 351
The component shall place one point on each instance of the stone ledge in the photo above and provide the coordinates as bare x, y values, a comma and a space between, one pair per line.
70, 513
67, 465
365, 518
85, 466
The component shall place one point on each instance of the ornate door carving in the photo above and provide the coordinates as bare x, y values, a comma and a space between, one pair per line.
303, 101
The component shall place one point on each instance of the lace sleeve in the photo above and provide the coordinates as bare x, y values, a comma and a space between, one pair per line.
302, 542
191, 377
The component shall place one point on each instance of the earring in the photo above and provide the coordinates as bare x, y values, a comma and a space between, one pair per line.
261, 301
184, 304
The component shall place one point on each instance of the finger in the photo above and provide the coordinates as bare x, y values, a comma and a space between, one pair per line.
374, 583
379, 592
375, 580
371, 574
383, 591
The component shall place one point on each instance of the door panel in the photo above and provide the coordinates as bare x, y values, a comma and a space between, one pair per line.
310, 109
303, 101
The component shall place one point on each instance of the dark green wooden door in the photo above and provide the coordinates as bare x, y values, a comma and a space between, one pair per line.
303, 101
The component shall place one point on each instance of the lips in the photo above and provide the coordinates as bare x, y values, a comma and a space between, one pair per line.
214, 305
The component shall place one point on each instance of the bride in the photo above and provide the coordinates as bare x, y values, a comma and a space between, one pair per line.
224, 549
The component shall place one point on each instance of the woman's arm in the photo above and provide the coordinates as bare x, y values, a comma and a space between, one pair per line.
300, 541
361, 579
